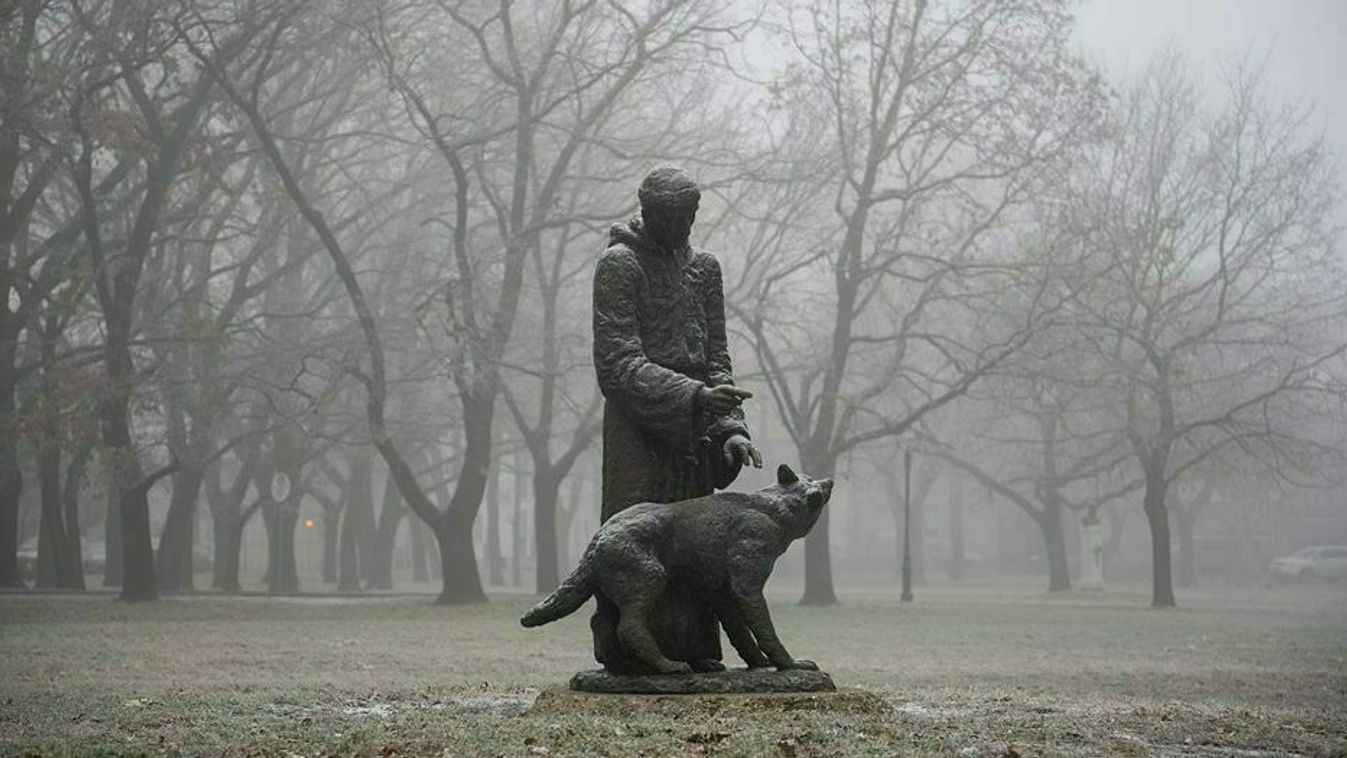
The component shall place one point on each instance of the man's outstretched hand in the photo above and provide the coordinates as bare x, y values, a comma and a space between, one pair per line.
724, 398
739, 449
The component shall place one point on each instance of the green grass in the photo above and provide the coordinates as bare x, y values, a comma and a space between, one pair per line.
972, 670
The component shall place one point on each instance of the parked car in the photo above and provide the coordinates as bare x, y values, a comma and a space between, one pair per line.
1320, 562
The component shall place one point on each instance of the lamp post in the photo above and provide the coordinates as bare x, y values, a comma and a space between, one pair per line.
907, 527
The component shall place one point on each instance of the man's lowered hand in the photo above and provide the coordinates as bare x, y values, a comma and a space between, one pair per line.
739, 449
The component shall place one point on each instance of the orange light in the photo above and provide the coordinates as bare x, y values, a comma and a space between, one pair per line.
310, 523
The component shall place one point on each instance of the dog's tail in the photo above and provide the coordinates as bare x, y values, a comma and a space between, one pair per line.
572, 594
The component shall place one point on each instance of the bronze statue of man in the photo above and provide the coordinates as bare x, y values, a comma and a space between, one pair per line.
673, 428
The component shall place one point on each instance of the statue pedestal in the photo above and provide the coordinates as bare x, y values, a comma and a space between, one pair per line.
731, 681
740, 690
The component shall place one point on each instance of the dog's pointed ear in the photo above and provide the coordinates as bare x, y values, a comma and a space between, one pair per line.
785, 477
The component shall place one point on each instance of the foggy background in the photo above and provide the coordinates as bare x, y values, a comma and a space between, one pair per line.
258, 255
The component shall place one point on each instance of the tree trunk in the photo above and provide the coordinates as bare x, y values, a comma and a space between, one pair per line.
417, 536
51, 536
47, 572
359, 504
70, 495
818, 568
1157, 518
58, 541
494, 569
228, 518
367, 539
284, 573
331, 530
379, 565
11, 477
1116, 520
282, 517
176, 542
229, 568
112, 536
269, 525
11, 489
1054, 546
129, 486
893, 496
957, 569
458, 564
433, 559
279, 519
518, 541
566, 513
348, 563
921, 493
139, 582
117, 301
228, 545
54, 568
546, 491
462, 581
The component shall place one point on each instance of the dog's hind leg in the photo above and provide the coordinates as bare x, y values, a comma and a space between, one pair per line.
636, 594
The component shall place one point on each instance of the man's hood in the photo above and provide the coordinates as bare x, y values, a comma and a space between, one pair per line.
632, 234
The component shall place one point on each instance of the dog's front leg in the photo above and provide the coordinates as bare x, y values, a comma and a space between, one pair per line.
727, 610
753, 609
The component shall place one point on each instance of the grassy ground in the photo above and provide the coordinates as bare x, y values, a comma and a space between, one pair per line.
983, 670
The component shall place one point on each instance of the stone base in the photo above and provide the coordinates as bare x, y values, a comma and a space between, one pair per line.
726, 682
562, 701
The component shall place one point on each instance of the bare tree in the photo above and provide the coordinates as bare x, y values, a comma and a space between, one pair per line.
938, 123
556, 396
31, 141
1217, 302
1036, 443
133, 57
565, 74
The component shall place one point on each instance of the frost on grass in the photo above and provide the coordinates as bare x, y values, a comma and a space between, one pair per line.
1231, 677
489, 705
